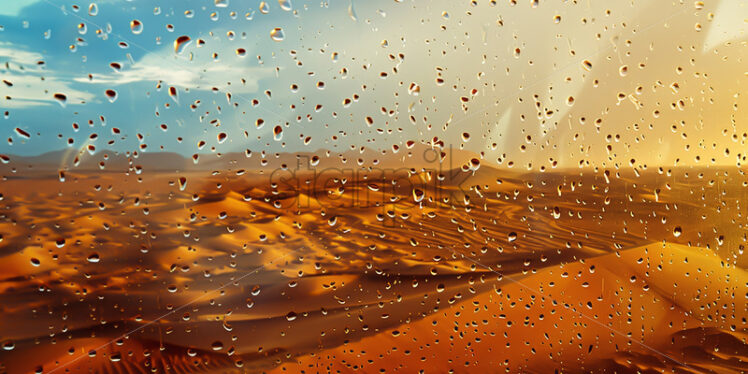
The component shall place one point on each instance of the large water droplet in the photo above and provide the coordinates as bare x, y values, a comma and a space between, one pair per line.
180, 43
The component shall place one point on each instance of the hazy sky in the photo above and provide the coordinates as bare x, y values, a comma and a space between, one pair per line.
657, 81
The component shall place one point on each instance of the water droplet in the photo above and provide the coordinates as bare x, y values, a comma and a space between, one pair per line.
277, 34
352, 11
61, 98
93, 9
222, 3
264, 8
556, 213
474, 164
418, 195
22, 133
111, 95
291, 316
35, 261
278, 133
174, 94
9, 345
217, 345
180, 43
285, 5
136, 27
677, 231
512, 236
93, 258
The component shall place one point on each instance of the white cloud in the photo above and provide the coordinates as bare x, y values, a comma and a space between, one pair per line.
164, 66
32, 85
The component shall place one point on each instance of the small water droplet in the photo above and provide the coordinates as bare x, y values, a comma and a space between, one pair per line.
677, 231
174, 94
61, 98
352, 11
22, 133
93, 258
418, 195
111, 95
291, 316
285, 5
136, 27
474, 164
264, 8
277, 34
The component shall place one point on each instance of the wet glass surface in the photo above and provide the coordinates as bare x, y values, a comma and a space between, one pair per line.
373, 186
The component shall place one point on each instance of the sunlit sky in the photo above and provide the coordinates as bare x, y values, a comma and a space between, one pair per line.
659, 82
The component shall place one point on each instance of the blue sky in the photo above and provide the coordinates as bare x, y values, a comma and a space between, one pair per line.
500, 73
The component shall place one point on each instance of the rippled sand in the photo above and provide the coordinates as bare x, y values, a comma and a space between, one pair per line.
485, 271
